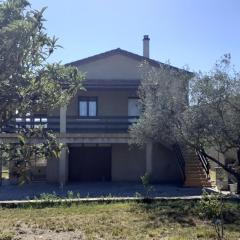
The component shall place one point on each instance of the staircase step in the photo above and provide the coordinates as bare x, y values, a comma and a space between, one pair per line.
197, 180
197, 185
195, 174
193, 170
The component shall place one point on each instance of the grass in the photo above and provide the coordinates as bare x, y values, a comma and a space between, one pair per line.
173, 220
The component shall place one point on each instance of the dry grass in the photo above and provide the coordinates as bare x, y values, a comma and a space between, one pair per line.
5, 173
165, 220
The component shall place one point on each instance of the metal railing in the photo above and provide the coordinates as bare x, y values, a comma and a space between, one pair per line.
180, 160
204, 161
51, 123
73, 123
99, 123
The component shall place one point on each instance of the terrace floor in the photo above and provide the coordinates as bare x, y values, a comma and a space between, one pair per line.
93, 190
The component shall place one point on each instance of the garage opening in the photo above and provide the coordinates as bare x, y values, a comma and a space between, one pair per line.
89, 164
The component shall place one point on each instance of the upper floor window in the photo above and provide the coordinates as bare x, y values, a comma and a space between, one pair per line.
133, 107
87, 106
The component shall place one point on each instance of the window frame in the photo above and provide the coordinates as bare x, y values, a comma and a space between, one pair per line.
87, 99
140, 110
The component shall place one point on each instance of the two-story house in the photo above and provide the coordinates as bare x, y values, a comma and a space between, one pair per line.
94, 128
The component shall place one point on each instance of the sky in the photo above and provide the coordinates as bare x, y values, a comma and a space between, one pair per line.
195, 33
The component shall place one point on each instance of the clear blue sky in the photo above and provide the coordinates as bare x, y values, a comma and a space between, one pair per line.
192, 32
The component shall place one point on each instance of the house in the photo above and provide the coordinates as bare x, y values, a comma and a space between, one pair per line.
94, 128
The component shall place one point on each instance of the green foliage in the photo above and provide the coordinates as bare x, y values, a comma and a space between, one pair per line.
21, 154
70, 195
211, 207
146, 181
48, 196
54, 196
200, 110
162, 94
28, 82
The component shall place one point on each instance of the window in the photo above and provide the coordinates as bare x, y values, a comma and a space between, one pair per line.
133, 107
87, 106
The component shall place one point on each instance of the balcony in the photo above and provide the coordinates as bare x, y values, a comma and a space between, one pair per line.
74, 124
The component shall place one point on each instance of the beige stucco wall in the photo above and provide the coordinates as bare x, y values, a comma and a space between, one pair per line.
109, 103
130, 164
165, 168
52, 171
127, 164
116, 67
112, 67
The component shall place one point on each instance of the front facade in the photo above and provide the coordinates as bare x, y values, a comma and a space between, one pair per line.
94, 126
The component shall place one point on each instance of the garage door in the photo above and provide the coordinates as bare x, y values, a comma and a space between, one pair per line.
90, 164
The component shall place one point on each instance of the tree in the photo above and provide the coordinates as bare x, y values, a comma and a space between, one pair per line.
210, 120
24, 152
162, 95
28, 83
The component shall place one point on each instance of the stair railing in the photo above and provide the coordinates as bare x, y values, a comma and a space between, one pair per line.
204, 161
180, 160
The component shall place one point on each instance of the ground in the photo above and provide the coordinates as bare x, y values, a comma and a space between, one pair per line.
173, 220
95, 189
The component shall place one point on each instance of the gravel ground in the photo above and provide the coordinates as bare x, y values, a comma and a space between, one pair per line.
29, 191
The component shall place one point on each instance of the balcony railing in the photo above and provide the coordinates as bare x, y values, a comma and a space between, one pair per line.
74, 124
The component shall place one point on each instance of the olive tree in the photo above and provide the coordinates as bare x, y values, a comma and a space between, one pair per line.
210, 118
163, 94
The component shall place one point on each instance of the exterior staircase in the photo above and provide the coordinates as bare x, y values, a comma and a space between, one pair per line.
195, 175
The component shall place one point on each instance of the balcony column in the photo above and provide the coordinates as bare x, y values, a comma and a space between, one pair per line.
149, 158
63, 166
63, 160
63, 119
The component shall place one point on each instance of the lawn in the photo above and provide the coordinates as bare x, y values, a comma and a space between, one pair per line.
175, 220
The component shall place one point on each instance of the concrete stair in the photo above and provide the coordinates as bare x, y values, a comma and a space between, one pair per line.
194, 172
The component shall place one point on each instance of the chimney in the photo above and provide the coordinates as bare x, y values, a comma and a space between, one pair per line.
146, 40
